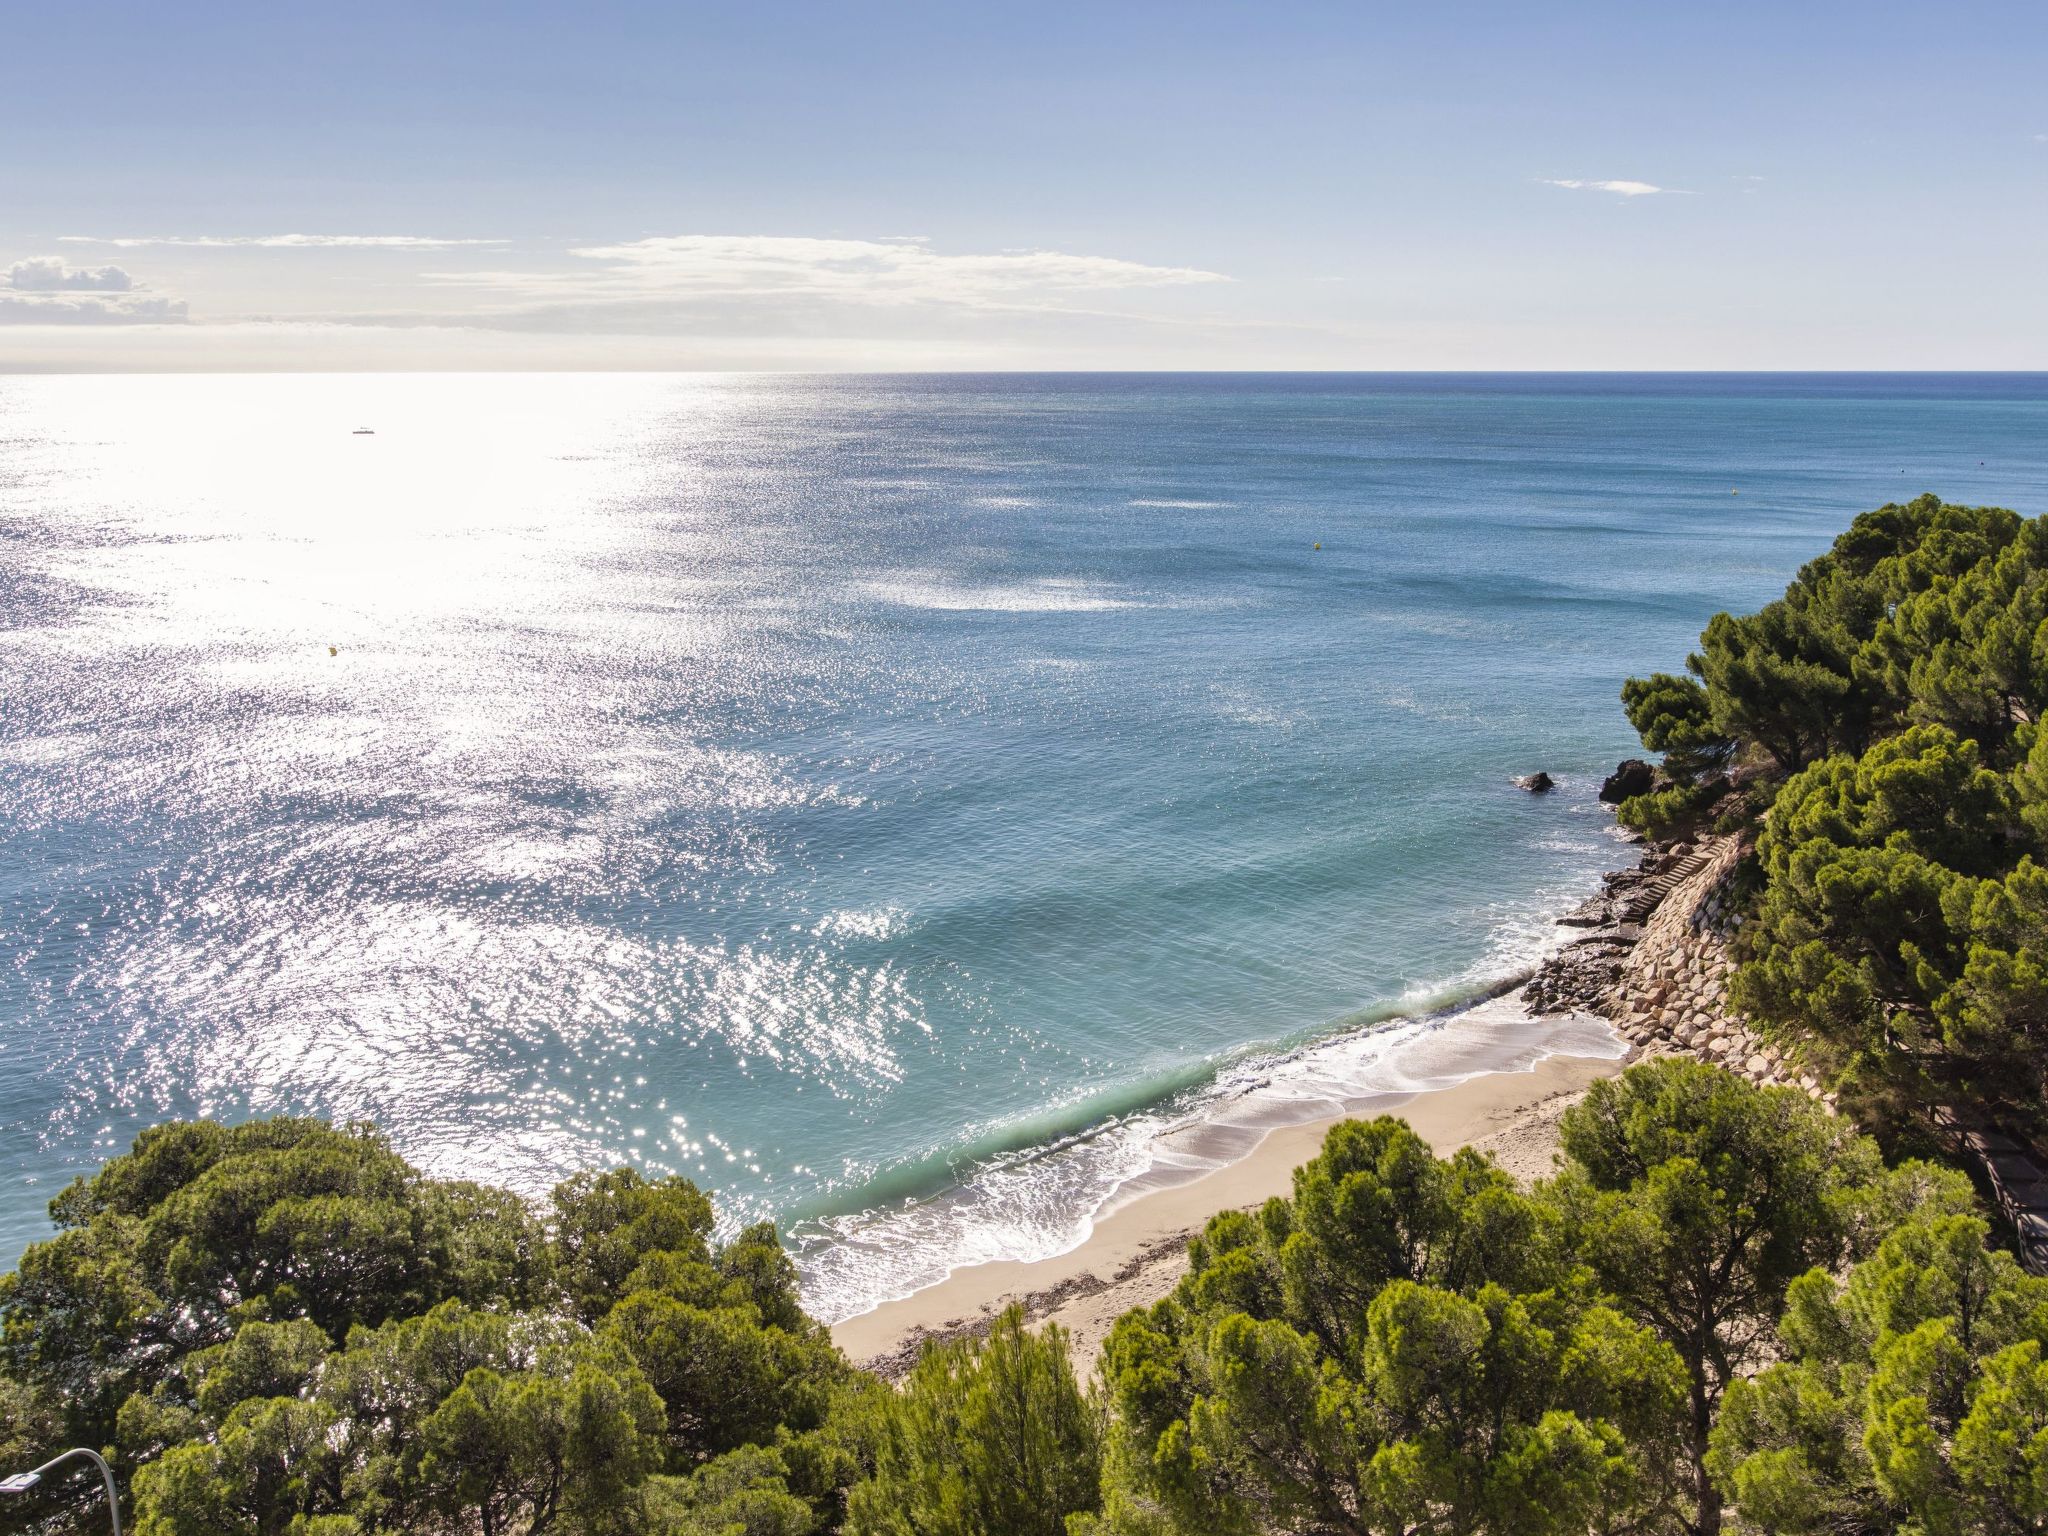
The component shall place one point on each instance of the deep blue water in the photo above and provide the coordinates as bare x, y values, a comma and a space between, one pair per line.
827, 786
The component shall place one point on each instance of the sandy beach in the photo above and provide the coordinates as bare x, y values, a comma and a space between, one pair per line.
1137, 1252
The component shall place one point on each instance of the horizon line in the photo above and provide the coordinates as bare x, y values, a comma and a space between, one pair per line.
61, 370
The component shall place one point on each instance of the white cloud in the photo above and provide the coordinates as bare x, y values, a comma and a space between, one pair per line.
1620, 188
283, 242
48, 274
787, 268
70, 309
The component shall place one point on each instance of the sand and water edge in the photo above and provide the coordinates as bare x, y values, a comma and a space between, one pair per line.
1135, 1254
1643, 977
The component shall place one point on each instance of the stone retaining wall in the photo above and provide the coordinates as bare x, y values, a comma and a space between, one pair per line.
1669, 997
1670, 994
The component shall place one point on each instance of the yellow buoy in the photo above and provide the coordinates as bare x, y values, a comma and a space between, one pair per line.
1319, 546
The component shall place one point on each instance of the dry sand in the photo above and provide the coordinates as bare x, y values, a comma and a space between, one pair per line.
1136, 1253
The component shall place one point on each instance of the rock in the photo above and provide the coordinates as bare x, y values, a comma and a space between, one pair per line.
1632, 777
1594, 912
1536, 783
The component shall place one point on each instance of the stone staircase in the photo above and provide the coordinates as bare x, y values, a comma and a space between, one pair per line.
1648, 896
2015, 1178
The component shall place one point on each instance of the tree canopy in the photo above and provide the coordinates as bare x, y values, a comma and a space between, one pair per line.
1407, 1345
988, 1437
1404, 1345
1913, 1396
1413, 1344
281, 1327
1887, 710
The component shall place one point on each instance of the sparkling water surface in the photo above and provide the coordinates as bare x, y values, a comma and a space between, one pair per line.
842, 789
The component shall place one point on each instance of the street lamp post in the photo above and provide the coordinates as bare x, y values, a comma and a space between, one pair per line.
21, 1482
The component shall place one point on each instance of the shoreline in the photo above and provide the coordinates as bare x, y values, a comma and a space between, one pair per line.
1647, 968
1137, 1251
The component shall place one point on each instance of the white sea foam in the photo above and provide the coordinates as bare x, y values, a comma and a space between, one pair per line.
1046, 1201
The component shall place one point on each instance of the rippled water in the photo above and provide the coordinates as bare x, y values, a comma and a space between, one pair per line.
835, 789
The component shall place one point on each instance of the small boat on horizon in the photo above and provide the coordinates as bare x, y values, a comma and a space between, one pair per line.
364, 432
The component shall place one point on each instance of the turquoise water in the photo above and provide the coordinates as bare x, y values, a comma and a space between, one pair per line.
840, 789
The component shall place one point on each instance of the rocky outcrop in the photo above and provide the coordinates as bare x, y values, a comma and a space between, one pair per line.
1631, 777
1580, 978
1536, 783
1663, 983
1658, 966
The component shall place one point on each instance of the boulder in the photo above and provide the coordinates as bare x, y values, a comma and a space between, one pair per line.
1536, 783
1594, 913
1633, 777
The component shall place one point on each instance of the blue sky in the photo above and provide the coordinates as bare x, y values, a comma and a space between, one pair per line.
852, 185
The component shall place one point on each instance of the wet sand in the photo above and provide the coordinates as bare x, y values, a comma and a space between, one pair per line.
1137, 1252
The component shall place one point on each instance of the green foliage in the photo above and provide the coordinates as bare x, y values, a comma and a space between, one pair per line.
201, 1228
1662, 811
989, 1437
1675, 716
1414, 1344
724, 1378
572, 1437
1697, 1199
549, 1431
282, 1328
1921, 613
745, 1493
608, 1224
1912, 1395
1874, 936
1785, 680
1898, 686
1925, 790
1407, 1343
2030, 783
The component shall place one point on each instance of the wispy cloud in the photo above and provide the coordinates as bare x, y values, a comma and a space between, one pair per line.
767, 288
48, 274
788, 267
1619, 188
283, 242
93, 309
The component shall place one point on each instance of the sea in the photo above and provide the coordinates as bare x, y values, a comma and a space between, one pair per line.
924, 810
